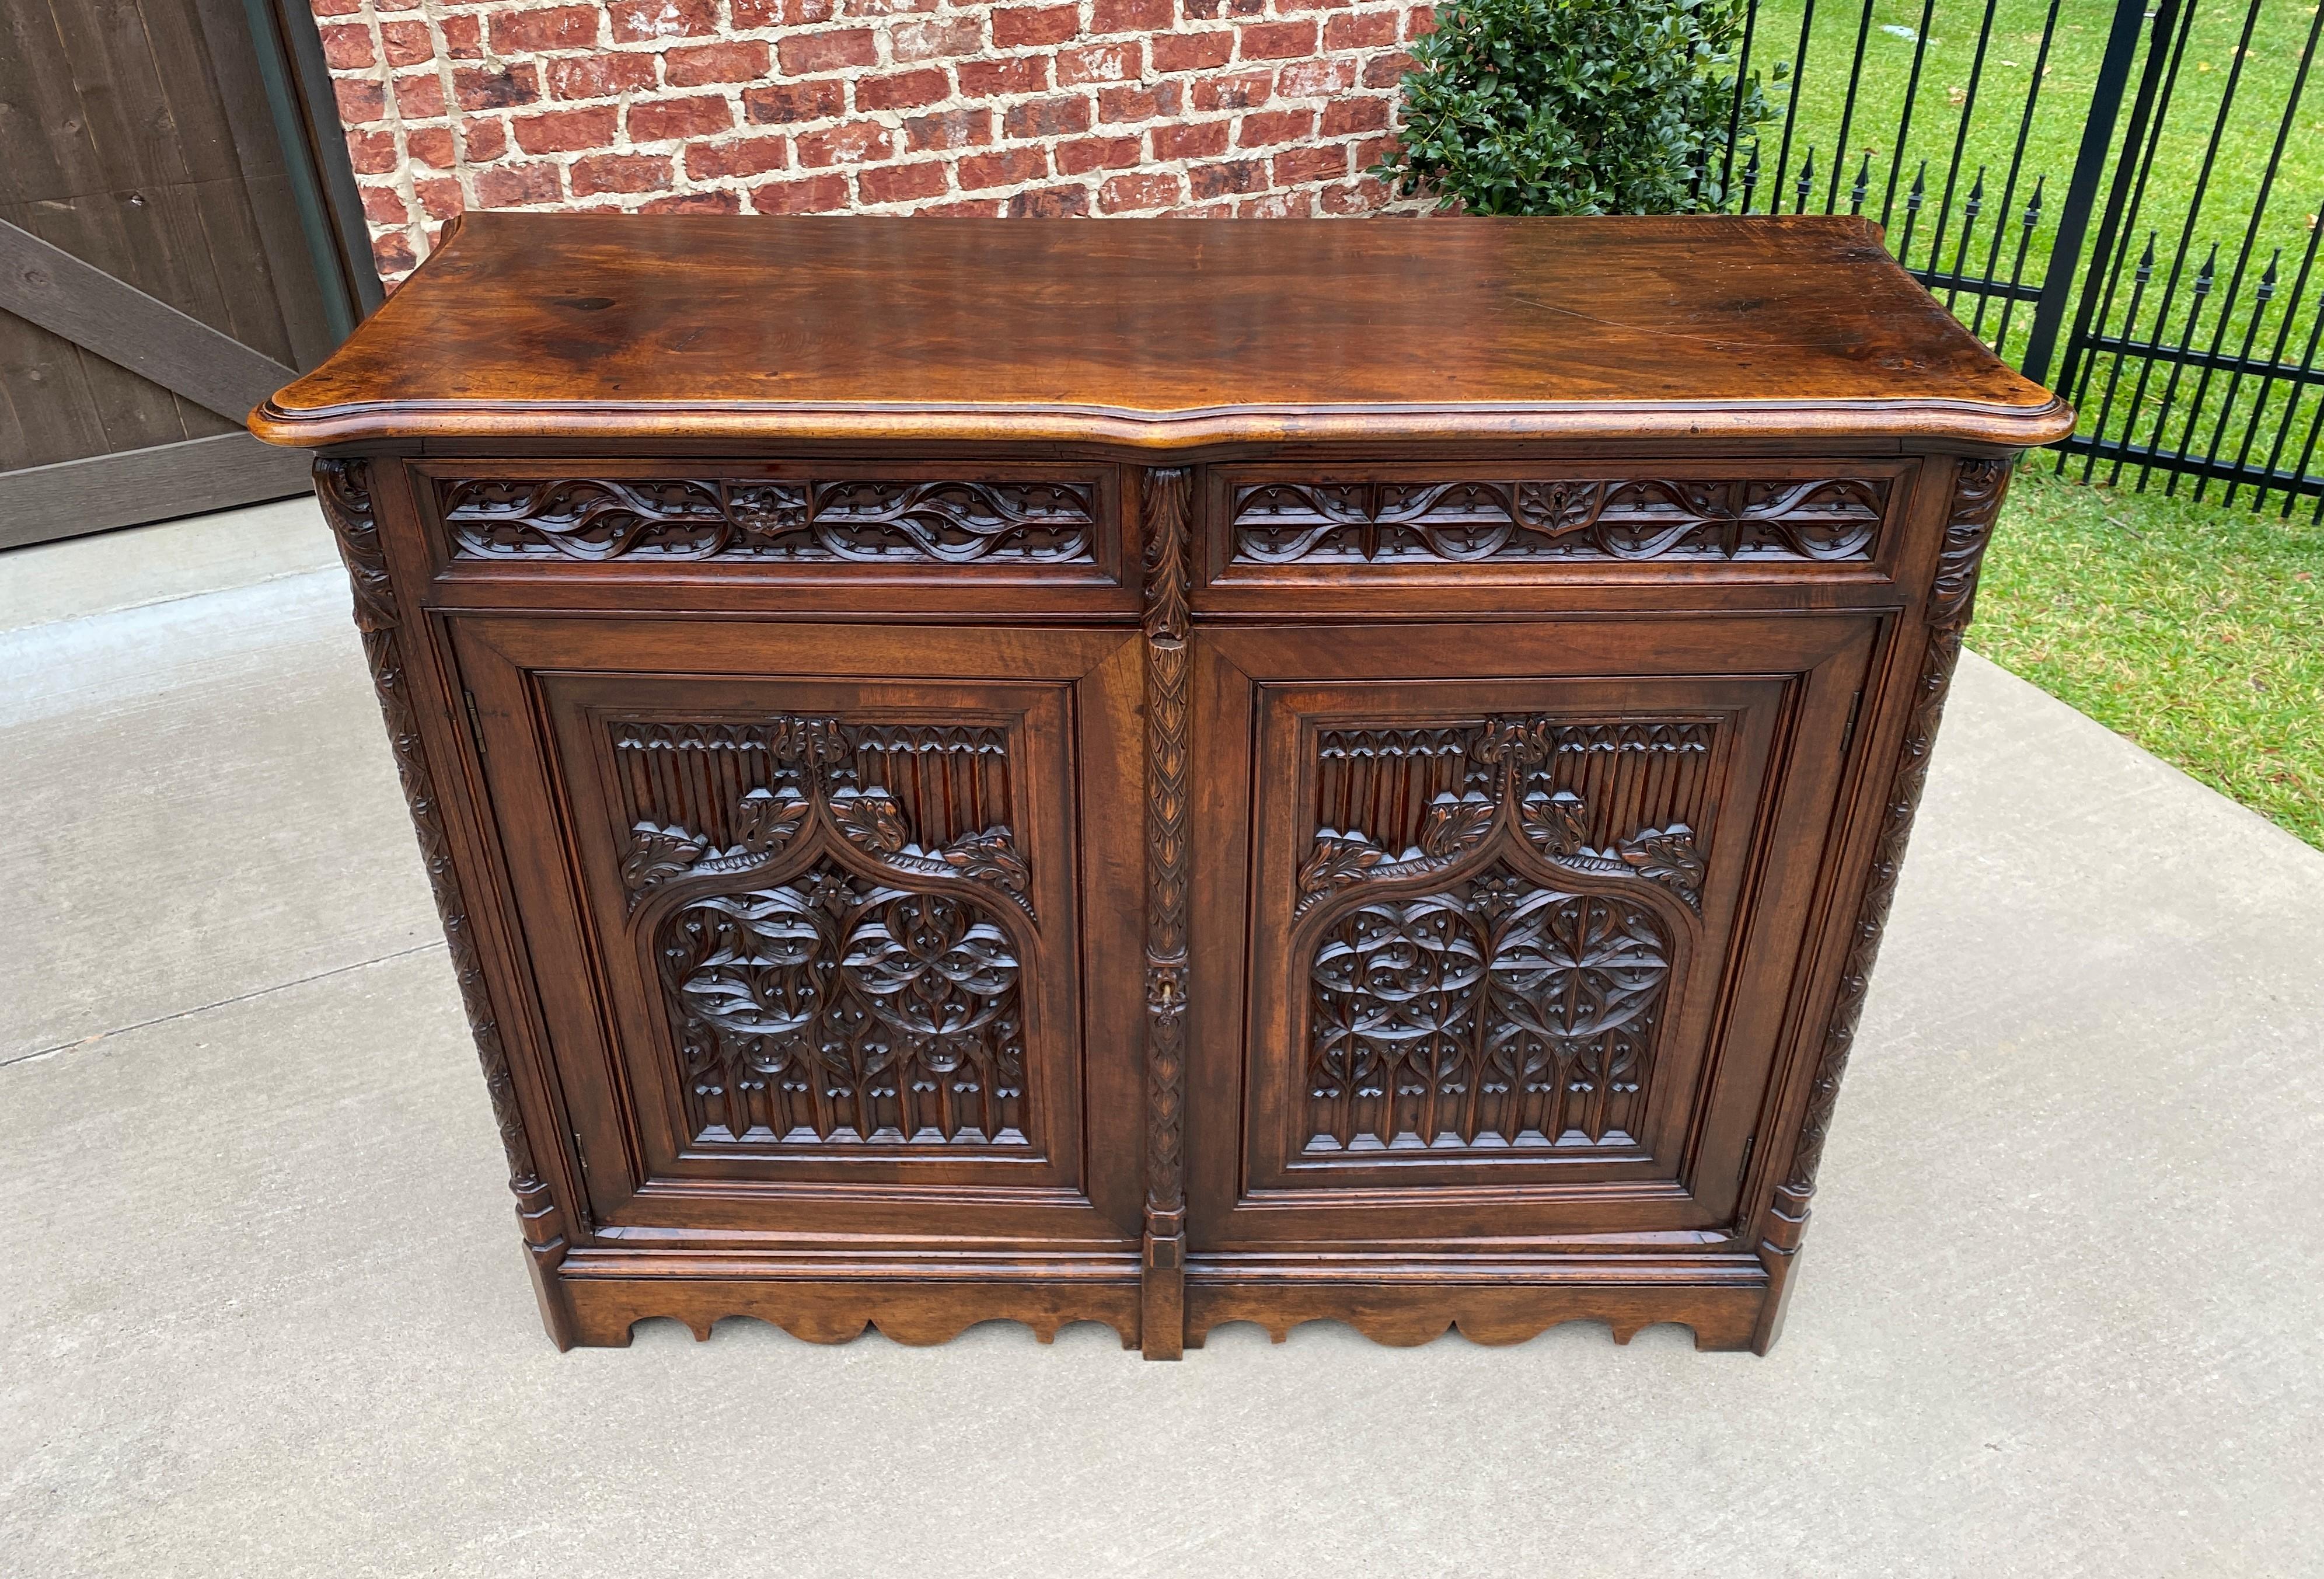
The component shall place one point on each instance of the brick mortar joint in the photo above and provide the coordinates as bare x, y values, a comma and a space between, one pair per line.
1351, 185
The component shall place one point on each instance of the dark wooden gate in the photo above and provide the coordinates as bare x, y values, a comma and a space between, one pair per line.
177, 239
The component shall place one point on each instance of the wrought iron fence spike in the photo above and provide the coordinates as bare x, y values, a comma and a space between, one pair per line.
2152, 360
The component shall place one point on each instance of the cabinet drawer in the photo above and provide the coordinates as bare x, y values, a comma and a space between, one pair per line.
873, 529
1476, 525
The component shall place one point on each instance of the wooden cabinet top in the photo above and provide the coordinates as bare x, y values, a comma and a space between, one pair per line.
1160, 333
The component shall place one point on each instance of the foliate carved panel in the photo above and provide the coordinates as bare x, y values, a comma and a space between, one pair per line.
805, 520
1558, 518
838, 913
1498, 1012
1506, 1006
1607, 798
831, 1009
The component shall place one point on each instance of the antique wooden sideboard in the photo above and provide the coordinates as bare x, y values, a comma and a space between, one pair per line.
1162, 773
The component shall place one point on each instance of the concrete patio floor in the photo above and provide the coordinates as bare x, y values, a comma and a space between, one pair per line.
2061, 1310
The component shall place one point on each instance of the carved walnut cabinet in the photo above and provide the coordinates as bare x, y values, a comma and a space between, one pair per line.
1161, 773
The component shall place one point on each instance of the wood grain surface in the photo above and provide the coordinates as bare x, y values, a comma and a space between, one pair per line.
1160, 333
1421, 874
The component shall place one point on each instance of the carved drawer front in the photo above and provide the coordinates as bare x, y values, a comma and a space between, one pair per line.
837, 922
869, 520
1528, 520
1496, 925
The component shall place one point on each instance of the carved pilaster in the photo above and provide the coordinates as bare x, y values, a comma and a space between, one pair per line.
344, 487
1977, 491
1168, 493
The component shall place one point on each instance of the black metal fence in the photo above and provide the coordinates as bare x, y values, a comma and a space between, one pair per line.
2122, 201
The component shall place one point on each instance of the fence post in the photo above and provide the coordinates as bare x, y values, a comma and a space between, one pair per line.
2064, 268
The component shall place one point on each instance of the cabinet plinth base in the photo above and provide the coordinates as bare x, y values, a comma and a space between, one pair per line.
1404, 1315
920, 1313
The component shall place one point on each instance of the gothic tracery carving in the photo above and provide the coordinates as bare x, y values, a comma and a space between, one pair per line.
826, 1005
1506, 783
832, 1009
1501, 1010
1498, 1011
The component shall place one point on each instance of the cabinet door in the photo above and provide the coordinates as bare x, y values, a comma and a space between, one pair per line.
823, 948
1500, 937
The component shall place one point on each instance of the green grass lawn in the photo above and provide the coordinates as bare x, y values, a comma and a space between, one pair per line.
2194, 631
1939, 38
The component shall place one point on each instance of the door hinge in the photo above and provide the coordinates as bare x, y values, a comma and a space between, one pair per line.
475, 722
1743, 1168
1847, 735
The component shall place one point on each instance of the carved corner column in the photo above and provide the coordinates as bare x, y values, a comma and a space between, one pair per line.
1977, 489
343, 488
1162, 1323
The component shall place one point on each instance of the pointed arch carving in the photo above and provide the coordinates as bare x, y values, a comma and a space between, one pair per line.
830, 981
1501, 983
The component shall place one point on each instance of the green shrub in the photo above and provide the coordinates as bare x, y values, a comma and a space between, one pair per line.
1574, 106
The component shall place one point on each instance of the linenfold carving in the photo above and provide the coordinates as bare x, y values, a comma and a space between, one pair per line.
597, 519
1638, 518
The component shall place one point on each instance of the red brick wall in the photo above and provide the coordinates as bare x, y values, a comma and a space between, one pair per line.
791, 106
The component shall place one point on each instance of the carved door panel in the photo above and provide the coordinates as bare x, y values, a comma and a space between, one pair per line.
851, 964
1516, 957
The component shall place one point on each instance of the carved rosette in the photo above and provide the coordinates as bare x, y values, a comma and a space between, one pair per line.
1978, 493
1627, 518
714, 518
344, 489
